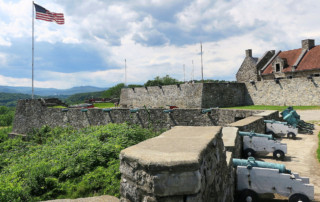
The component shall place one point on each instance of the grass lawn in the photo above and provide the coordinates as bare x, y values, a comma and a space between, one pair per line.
103, 105
279, 108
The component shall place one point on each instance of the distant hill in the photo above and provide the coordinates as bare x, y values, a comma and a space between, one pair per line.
50, 91
10, 99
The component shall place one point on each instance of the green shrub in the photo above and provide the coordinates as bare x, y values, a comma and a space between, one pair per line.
65, 163
6, 115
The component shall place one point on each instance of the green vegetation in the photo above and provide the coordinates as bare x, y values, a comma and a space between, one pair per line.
166, 80
103, 105
65, 163
10, 99
279, 108
6, 115
113, 92
81, 97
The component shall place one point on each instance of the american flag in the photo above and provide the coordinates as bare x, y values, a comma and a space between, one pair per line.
44, 14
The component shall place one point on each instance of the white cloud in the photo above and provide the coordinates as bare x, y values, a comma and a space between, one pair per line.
156, 37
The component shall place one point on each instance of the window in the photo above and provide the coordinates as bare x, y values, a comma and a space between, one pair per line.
277, 67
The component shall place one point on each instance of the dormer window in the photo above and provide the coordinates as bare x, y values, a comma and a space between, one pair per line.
279, 64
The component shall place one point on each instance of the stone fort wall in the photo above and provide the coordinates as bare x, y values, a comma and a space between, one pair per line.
185, 95
32, 114
288, 92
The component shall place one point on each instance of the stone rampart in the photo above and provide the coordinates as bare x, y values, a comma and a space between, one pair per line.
197, 95
32, 114
182, 164
288, 92
186, 163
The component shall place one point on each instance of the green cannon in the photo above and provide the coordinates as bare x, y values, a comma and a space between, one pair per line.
64, 110
168, 111
274, 121
251, 162
134, 110
252, 134
294, 119
107, 110
204, 111
84, 110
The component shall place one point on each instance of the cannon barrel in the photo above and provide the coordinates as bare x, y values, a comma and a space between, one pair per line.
274, 121
251, 162
252, 134
291, 119
134, 110
204, 111
107, 110
168, 110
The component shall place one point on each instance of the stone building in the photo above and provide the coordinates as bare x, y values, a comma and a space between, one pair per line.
302, 62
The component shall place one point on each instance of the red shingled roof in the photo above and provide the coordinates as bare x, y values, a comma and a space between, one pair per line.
291, 56
311, 60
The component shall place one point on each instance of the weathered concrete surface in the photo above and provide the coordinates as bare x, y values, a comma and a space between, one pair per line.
176, 147
183, 164
251, 123
269, 114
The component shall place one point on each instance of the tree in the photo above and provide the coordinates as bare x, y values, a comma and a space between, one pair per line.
113, 92
166, 80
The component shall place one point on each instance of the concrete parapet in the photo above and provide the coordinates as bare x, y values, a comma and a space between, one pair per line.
182, 164
232, 141
252, 123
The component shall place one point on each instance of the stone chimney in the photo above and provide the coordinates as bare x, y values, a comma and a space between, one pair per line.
249, 53
307, 44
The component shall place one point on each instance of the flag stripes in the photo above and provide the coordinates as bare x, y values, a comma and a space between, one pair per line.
44, 14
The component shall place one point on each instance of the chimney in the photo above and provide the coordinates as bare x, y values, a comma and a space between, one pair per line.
249, 53
307, 44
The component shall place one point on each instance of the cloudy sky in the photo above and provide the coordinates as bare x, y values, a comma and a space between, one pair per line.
156, 37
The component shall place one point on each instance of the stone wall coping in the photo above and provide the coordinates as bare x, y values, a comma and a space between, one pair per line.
181, 147
229, 135
245, 121
228, 157
266, 113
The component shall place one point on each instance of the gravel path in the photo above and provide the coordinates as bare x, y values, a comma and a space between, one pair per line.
301, 157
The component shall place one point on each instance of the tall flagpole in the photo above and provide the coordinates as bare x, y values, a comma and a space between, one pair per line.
125, 72
201, 64
32, 49
184, 73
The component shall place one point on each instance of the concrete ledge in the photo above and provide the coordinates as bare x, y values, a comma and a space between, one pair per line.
186, 163
179, 147
252, 123
269, 114
229, 135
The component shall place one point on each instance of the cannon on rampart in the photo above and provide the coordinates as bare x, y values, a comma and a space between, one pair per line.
255, 143
258, 177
